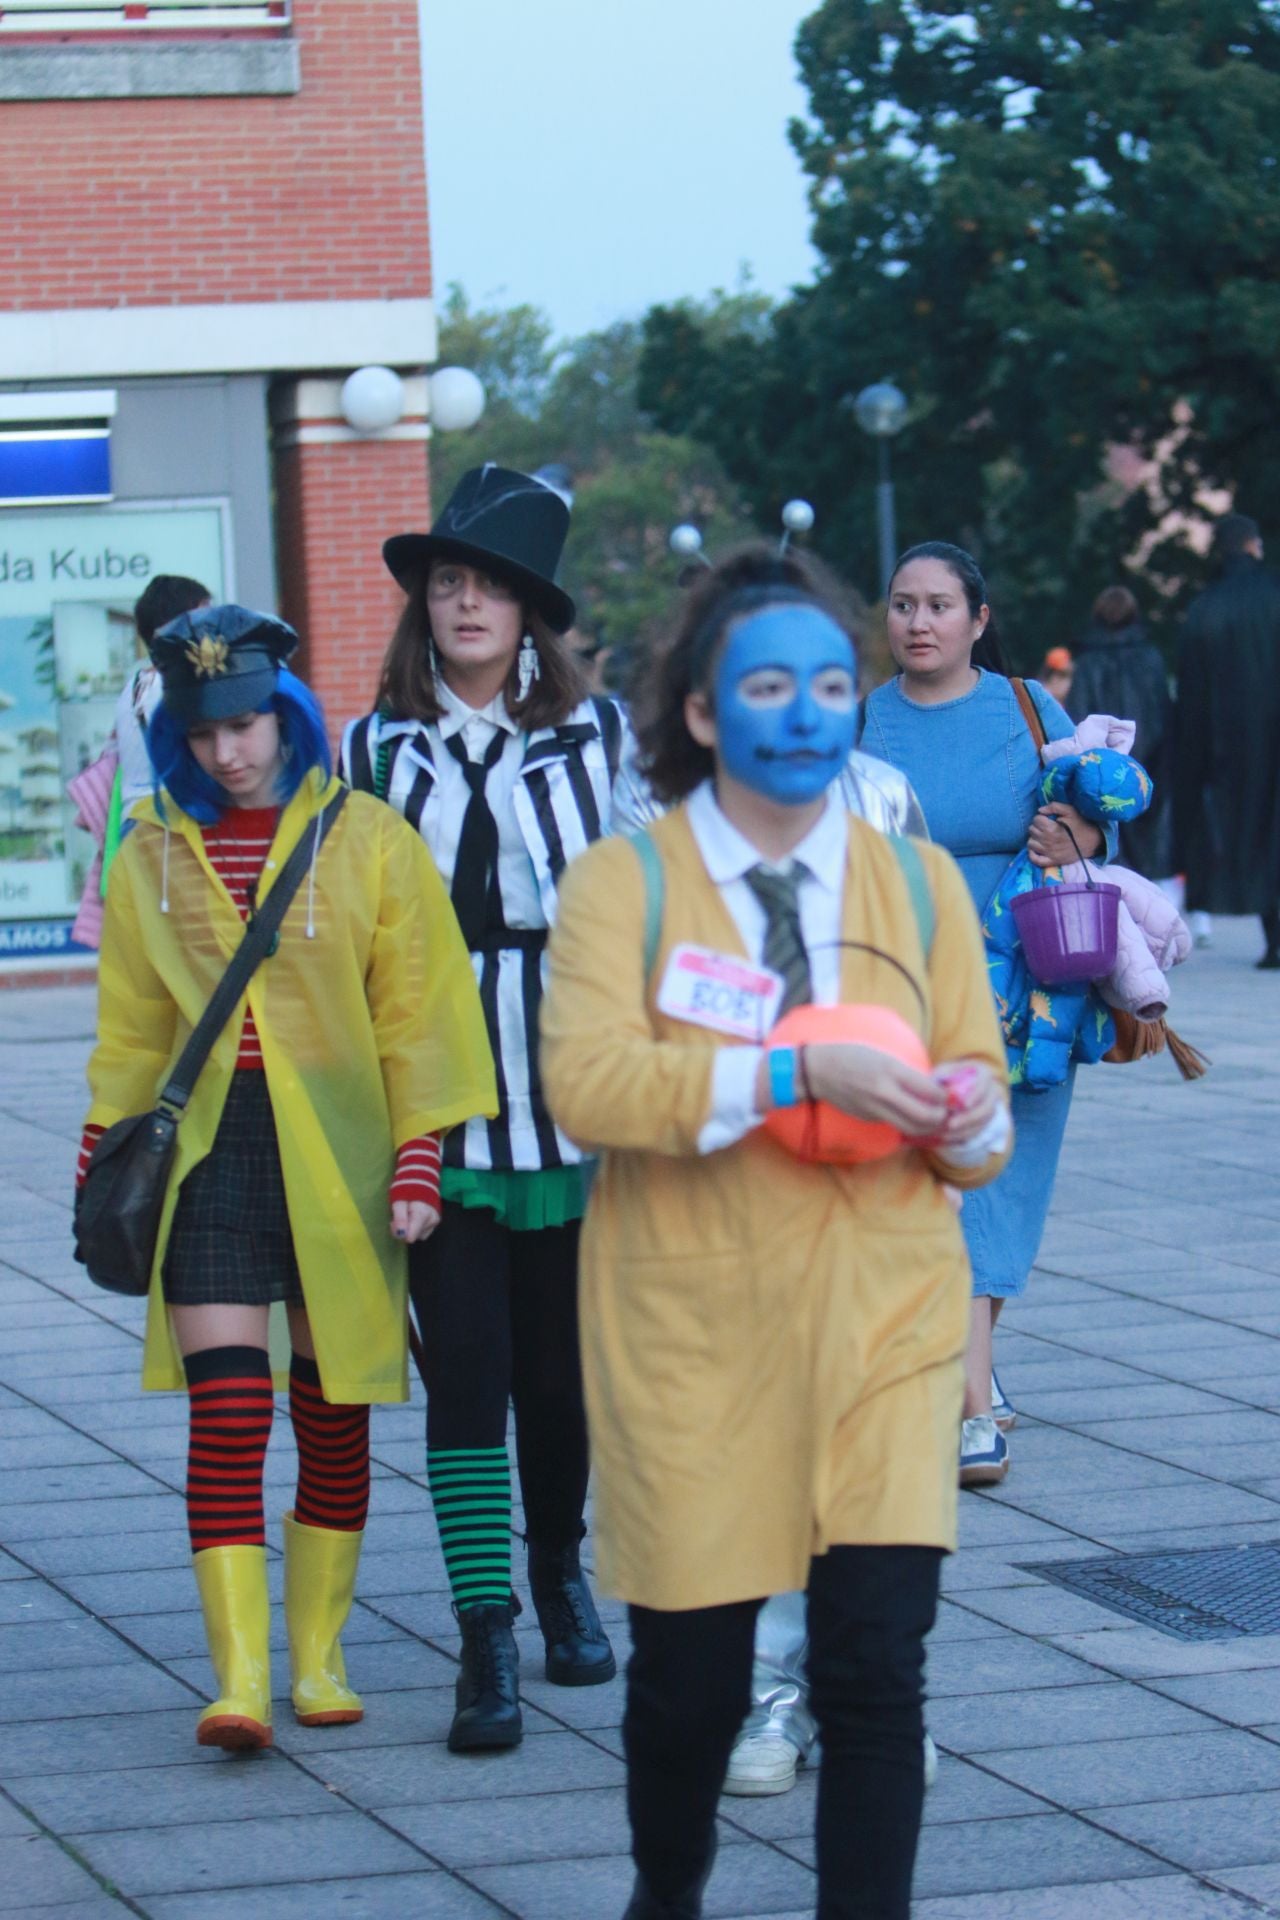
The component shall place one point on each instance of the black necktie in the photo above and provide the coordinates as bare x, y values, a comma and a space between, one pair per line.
475, 870
784, 948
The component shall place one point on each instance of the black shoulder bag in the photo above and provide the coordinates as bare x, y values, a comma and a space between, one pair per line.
118, 1208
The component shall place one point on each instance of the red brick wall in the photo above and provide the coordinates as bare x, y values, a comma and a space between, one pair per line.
318, 195
337, 503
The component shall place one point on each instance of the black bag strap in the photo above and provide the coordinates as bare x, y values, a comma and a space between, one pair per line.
259, 937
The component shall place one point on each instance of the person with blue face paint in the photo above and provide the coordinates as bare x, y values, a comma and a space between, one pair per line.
771, 1348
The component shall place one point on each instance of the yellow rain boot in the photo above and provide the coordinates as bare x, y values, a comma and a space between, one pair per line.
319, 1582
233, 1594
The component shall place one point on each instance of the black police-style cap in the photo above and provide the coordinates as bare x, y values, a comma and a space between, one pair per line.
218, 661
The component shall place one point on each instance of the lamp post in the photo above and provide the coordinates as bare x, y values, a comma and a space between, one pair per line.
881, 410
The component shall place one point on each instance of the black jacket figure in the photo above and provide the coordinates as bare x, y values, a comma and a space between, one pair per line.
1119, 671
1227, 744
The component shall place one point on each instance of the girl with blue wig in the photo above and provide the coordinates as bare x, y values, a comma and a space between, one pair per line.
307, 1155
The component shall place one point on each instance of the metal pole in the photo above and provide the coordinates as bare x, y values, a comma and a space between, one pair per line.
884, 518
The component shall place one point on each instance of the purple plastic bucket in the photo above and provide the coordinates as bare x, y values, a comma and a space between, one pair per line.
1068, 931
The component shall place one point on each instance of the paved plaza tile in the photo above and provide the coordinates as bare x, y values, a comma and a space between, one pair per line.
1092, 1767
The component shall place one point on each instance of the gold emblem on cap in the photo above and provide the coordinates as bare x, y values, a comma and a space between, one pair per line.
208, 656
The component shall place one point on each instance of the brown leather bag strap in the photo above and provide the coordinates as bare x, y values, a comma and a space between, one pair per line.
1030, 713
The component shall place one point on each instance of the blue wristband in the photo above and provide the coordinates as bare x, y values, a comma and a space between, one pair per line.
782, 1076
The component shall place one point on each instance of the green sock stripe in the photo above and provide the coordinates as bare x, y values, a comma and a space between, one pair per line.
471, 1494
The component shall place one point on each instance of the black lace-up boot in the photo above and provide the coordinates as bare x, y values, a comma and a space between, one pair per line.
578, 1650
487, 1692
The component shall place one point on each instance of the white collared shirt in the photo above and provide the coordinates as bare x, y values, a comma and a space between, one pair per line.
517, 881
728, 858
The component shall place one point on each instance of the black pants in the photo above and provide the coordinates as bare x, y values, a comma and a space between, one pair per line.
498, 1314
688, 1690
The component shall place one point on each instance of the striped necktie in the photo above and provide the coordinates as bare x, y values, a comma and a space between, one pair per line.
784, 948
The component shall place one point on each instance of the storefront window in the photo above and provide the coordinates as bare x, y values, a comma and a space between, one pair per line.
68, 583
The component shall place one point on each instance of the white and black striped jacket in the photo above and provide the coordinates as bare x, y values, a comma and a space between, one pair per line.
562, 801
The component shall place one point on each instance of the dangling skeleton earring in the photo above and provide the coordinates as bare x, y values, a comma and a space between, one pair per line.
528, 666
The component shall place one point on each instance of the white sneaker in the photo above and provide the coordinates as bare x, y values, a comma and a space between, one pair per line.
762, 1763
930, 1762
984, 1452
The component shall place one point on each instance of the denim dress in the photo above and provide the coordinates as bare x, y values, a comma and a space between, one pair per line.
976, 771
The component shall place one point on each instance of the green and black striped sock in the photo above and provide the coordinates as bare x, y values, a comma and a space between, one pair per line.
471, 1493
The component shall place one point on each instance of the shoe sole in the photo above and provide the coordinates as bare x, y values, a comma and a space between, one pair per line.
582, 1676
234, 1733
984, 1476
758, 1789
1005, 1421
495, 1740
335, 1717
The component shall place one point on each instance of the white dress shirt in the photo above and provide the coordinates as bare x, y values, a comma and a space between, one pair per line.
728, 858
517, 881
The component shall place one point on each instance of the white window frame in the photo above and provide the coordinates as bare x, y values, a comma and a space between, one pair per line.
143, 16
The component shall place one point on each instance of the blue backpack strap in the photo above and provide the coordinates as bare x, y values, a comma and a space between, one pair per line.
917, 886
655, 887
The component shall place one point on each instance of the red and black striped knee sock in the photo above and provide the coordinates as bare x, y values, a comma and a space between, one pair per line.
231, 1407
333, 1454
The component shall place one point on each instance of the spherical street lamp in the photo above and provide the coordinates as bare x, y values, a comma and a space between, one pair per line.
372, 399
881, 411
455, 399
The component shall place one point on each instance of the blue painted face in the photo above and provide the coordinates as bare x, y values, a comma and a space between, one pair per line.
785, 703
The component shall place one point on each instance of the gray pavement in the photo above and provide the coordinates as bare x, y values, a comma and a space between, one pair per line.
1091, 1767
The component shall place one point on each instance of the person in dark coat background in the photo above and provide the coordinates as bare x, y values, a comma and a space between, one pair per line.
1119, 670
1226, 802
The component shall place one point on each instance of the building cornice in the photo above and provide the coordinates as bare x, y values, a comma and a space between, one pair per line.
250, 336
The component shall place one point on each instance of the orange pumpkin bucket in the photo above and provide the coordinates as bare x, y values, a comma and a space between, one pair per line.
814, 1130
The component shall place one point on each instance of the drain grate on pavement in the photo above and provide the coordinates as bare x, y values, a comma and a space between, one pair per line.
1205, 1593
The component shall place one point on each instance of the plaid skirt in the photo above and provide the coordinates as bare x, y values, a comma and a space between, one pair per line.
230, 1244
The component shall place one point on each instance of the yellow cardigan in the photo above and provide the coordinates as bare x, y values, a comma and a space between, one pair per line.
372, 1033
772, 1351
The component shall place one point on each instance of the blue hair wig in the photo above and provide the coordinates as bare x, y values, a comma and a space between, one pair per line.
302, 736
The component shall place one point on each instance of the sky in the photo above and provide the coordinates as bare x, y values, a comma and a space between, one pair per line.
592, 157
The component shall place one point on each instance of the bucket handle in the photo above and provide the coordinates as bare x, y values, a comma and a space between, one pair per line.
1089, 880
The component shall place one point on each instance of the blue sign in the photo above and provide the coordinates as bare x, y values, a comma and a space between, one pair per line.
37, 939
48, 464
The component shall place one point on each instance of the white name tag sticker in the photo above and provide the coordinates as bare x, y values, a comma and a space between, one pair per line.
710, 989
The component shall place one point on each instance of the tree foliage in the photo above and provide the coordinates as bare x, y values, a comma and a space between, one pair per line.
575, 405
1056, 224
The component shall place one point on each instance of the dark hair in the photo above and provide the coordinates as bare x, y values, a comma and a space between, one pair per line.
1232, 534
743, 582
408, 689
163, 599
1115, 607
302, 735
988, 653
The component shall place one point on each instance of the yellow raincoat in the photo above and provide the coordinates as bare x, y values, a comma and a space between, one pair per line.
771, 1351
372, 1033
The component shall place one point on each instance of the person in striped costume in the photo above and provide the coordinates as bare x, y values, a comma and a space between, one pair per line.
484, 741
288, 1187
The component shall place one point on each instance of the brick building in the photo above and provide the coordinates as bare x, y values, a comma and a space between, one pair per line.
214, 211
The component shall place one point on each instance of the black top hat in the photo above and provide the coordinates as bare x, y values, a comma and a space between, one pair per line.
218, 661
505, 522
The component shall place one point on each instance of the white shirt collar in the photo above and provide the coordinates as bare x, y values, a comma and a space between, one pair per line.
455, 713
728, 855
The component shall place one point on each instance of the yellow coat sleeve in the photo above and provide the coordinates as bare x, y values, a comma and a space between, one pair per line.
437, 1067
137, 1015
608, 1081
964, 1024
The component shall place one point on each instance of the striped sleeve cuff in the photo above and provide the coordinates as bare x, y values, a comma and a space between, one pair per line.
417, 1174
88, 1141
